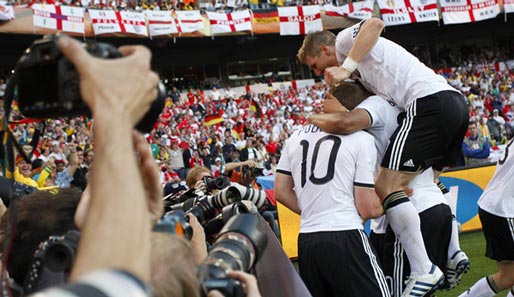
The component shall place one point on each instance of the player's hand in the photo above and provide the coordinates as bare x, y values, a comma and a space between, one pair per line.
331, 104
335, 75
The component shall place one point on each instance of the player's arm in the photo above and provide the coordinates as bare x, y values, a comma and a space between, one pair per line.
367, 202
366, 39
342, 122
284, 191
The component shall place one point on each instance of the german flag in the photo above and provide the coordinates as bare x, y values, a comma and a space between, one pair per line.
264, 16
213, 119
255, 107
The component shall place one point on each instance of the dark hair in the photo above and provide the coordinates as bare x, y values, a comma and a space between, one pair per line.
37, 163
350, 94
39, 215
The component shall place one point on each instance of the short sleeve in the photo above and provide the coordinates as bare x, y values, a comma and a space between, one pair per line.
365, 162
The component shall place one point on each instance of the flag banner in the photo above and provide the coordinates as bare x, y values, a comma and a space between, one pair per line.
189, 20
467, 11
161, 22
213, 119
62, 18
299, 20
508, 6
400, 12
110, 21
230, 22
263, 16
6, 11
356, 10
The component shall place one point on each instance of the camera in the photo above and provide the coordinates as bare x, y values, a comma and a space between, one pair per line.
218, 183
52, 261
239, 246
174, 223
49, 85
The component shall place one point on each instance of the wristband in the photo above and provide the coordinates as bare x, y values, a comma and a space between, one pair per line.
349, 64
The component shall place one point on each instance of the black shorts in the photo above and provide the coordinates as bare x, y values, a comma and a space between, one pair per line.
340, 263
377, 242
436, 229
499, 236
430, 133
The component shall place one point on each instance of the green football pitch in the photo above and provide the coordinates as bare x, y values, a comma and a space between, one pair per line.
474, 245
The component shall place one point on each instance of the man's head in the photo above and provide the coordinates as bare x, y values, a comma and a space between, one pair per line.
39, 215
195, 174
473, 131
59, 164
350, 94
318, 51
24, 167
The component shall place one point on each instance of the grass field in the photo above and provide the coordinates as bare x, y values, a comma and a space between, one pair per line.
474, 246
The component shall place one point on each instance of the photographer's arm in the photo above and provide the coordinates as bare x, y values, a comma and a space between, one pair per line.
117, 226
198, 240
284, 192
234, 165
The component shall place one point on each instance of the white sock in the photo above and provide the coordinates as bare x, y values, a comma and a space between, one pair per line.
511, 293
480, 289
454, 239
404, 221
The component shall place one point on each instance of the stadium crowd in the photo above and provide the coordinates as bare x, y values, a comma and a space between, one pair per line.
219, 127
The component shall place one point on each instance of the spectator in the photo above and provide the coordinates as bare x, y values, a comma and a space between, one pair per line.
476, 148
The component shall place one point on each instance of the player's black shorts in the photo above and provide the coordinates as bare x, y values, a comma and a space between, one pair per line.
499, 236
436, 229
340, 263
377, 242
430, 133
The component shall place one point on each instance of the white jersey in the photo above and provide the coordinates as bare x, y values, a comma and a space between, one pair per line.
383, 116
391, 71
325, 168
498, 196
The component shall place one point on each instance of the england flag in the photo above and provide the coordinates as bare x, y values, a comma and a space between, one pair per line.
6, 11
110, 21
161, 22
356, 10
230, 22
468, 11
62, 18
299, 20
508, 6
190, 20
400, 12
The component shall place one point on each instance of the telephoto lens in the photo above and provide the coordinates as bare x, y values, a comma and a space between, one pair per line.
239, 246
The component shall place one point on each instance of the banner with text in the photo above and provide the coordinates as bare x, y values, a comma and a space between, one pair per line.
467, 11
402, 12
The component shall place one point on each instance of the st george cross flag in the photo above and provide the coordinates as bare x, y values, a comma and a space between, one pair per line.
160, 22
355, 10
230, 22
399, 12
299, 20
6, 11
508, 6
110, 21
63, 18
467, 11
189, 20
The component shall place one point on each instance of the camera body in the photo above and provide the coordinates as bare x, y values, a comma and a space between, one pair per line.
218, 183
52, 261
49, 85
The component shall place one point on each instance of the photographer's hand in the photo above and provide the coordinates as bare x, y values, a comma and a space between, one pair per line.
150, 175
249, 283
198, 240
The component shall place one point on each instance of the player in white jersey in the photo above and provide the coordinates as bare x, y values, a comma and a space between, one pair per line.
377, 116
430, 134
328, 180
496, 211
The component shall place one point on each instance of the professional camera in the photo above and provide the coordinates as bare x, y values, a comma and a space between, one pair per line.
49, 85
253, 171
214, 226
239, 246
218, 183
52, 262
174, 223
